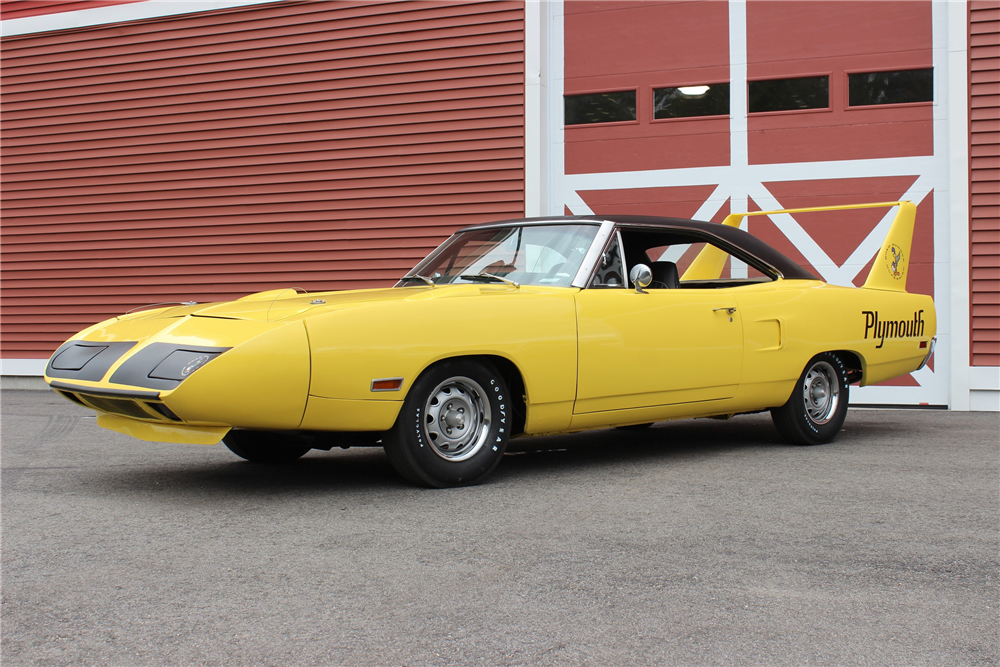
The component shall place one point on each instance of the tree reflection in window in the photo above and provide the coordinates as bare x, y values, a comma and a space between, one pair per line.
901, 87
811, 92
600, 108
691, 101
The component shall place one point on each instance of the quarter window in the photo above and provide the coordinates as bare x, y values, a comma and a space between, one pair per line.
691, 101
610, 272
811, 92
900, 87
600, 108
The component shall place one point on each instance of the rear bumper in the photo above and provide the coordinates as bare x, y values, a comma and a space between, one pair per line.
930, 351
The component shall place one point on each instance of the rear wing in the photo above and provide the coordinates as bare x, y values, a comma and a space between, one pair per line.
887, 273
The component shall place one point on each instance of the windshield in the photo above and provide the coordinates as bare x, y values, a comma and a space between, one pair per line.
530, 255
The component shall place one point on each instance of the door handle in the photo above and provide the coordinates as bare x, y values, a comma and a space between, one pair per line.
729, 310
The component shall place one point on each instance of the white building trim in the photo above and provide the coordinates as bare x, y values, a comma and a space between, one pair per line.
137, 11
984, 388
555, 61
951, 139
23, 367
536, 73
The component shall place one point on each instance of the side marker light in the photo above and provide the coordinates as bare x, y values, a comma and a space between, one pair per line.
387, 384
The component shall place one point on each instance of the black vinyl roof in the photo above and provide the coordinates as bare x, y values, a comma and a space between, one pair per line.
732, 236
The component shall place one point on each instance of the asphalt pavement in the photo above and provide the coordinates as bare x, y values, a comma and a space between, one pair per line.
692, 543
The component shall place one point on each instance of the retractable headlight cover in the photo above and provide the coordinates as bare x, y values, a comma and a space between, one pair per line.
164, 365
181, 363
85, 360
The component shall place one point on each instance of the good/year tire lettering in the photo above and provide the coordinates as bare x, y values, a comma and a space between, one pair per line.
817, 408
456, 408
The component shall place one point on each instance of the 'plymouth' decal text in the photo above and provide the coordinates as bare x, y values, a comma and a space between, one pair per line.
882, 329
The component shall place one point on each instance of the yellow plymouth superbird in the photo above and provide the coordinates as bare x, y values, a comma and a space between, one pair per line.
514, 328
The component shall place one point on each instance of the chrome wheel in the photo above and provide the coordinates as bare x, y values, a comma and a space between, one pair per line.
821, 392
457, 418
815, 411
453, 426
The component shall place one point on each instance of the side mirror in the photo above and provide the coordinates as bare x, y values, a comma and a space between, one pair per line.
640, 276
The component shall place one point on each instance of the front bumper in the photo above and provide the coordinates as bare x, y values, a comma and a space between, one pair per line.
195, 372
123, 402
140, 414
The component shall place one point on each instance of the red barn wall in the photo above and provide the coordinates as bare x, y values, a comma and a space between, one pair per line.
321, 145
984, 155
19, 9
789, 39
612, 46
645, 45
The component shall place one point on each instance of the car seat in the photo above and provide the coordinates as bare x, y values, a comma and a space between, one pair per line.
664, 275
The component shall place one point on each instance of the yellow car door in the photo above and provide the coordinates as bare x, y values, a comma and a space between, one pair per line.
660, 347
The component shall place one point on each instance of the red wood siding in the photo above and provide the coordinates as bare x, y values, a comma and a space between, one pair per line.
19, 9
612, 45
321, 145
789, 39
984, 156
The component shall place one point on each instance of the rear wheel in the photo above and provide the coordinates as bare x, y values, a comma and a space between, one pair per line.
263, 447
815, 412
453, 427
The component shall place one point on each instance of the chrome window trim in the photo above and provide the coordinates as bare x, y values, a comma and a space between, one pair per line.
612, 238
589, 264
531, 223
426, 260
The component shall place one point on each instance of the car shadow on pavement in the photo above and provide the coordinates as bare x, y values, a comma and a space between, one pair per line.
665, 442
318, 472
366, 469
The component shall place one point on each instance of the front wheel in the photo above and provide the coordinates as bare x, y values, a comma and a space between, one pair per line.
816, 410
453, 427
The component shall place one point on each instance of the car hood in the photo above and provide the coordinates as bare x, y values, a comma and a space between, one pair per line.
283, 305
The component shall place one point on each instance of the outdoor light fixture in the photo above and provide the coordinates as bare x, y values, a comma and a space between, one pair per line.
693, 91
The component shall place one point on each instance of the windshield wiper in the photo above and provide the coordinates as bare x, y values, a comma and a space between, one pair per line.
417, 276
489, 276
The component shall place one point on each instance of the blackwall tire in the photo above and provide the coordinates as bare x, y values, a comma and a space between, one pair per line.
262, 447
453, 427
815, 412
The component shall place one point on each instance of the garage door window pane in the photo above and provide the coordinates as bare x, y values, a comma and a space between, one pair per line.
600, 108
691, 101
811, 92
902, 87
